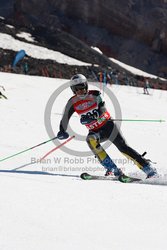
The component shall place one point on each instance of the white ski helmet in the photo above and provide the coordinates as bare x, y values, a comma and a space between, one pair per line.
77, 82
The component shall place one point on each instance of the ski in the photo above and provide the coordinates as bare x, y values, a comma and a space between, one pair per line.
159, 180
123, 178
128, 179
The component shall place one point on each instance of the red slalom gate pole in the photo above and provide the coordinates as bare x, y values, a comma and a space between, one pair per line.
51, 151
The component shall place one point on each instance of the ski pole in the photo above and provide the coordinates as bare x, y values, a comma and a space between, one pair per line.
31, 163
40, 144
57, 147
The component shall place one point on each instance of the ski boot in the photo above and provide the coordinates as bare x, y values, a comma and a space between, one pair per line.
149, 171
111, 168
120, 176
115, 172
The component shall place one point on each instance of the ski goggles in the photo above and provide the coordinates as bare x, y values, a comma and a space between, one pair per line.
80, 86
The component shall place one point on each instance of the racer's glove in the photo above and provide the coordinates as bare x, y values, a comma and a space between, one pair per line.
61, 135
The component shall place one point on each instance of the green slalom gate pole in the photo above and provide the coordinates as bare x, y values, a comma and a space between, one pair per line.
125, 120
42, 158
23, 151
138, 120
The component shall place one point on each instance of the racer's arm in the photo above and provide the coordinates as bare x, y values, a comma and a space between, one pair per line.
69, 110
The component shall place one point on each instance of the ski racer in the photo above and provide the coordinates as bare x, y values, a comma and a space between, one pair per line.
94, 115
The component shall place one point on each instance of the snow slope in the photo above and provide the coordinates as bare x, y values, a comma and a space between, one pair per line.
39, 52
135, 70
39, 211
35, 51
